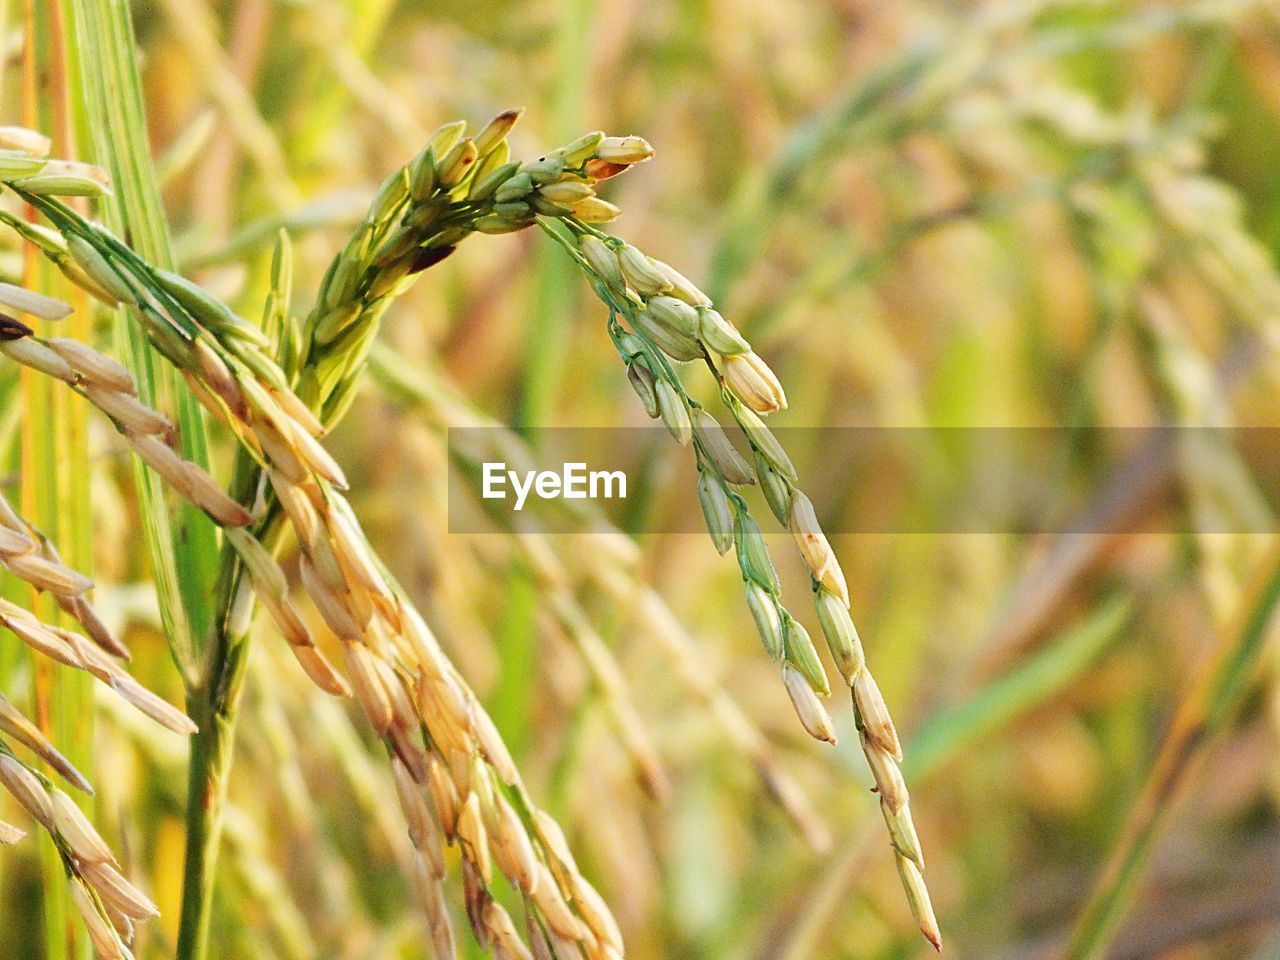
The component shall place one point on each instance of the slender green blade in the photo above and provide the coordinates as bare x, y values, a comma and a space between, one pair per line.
184, 549
1031, 683
1209, 706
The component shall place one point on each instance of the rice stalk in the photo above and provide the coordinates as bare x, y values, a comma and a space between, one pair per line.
607, 559
669, 320
29, 555
945, 736
111, 388
455, 187
262, 892
398, 673
72, 649
17, 727
107, 902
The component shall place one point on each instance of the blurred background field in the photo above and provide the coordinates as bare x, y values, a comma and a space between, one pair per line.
921, 214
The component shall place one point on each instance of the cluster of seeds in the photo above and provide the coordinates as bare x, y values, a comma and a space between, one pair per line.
560, 184
110, 388
30, 556
74, 650
456, 186
450, 759
109, 904
606, 559
669, 320
16, 726
455, 780
278, 390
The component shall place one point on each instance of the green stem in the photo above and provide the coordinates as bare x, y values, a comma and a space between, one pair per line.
213, 705
1211, 703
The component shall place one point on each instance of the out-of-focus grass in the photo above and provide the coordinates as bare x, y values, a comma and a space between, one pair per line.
53, 446
922, 214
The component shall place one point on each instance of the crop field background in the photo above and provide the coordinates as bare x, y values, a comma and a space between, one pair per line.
1021, 214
